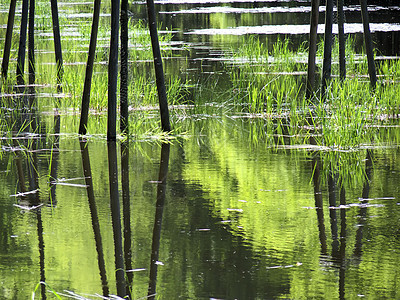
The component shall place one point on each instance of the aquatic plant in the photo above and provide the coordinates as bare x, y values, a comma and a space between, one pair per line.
75, 36
272, 84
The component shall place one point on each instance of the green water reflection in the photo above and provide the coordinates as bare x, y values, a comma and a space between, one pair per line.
225, 211
236, 220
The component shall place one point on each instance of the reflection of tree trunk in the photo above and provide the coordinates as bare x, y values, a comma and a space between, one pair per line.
126, 209
87, 172
20, 171
116, 218
161, 190
318, 202
33, 176
41, 252
342, 250
332, 214
363, 209
54, 159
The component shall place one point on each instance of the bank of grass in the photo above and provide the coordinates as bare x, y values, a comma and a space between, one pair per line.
272, 85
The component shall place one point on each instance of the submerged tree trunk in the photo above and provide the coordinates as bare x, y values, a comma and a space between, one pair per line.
327, 63
124, 68
7, 44
162, 93
312, 51
22, 43
113, 73
368, 43
57, 43
342, 40
31, 42
89, 68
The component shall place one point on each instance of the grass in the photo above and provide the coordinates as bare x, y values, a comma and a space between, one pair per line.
75, 34
272, 85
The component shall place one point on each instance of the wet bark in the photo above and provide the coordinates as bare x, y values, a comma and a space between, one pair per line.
7, 44
113, 72
327, 62
57, 43
124, 68
368, 43
342, 40
158, 66
22, 44
89, 68
312, 51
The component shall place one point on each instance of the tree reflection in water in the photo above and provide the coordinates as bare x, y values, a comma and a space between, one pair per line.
155, 247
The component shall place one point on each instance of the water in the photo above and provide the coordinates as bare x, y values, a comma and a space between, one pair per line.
221, 213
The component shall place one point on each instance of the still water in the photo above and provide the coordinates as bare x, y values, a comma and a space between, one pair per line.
217, 213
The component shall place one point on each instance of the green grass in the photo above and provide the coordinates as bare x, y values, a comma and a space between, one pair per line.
268, 83
75, 34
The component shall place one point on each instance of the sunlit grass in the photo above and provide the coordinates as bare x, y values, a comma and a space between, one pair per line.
272, 83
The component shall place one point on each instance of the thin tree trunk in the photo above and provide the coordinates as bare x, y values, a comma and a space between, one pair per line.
162, 93
327, 63
368, 43
57, 44
22, 44
312, 51
342, 40
124, 68
89, 68
113, 73
31, 42
7, 44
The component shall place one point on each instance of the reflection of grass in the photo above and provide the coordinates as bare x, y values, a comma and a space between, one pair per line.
272, 85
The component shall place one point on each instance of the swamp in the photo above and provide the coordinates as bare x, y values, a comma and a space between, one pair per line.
257, 191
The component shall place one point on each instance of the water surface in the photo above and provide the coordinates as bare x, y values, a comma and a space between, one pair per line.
225, 211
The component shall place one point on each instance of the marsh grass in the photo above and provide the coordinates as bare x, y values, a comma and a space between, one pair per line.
75, 33
271, 83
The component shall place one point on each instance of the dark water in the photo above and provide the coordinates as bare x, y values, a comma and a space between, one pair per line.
220, 213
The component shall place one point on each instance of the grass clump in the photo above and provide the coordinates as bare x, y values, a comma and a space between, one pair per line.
272, 84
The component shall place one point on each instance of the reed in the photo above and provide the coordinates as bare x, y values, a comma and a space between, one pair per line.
271, 84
